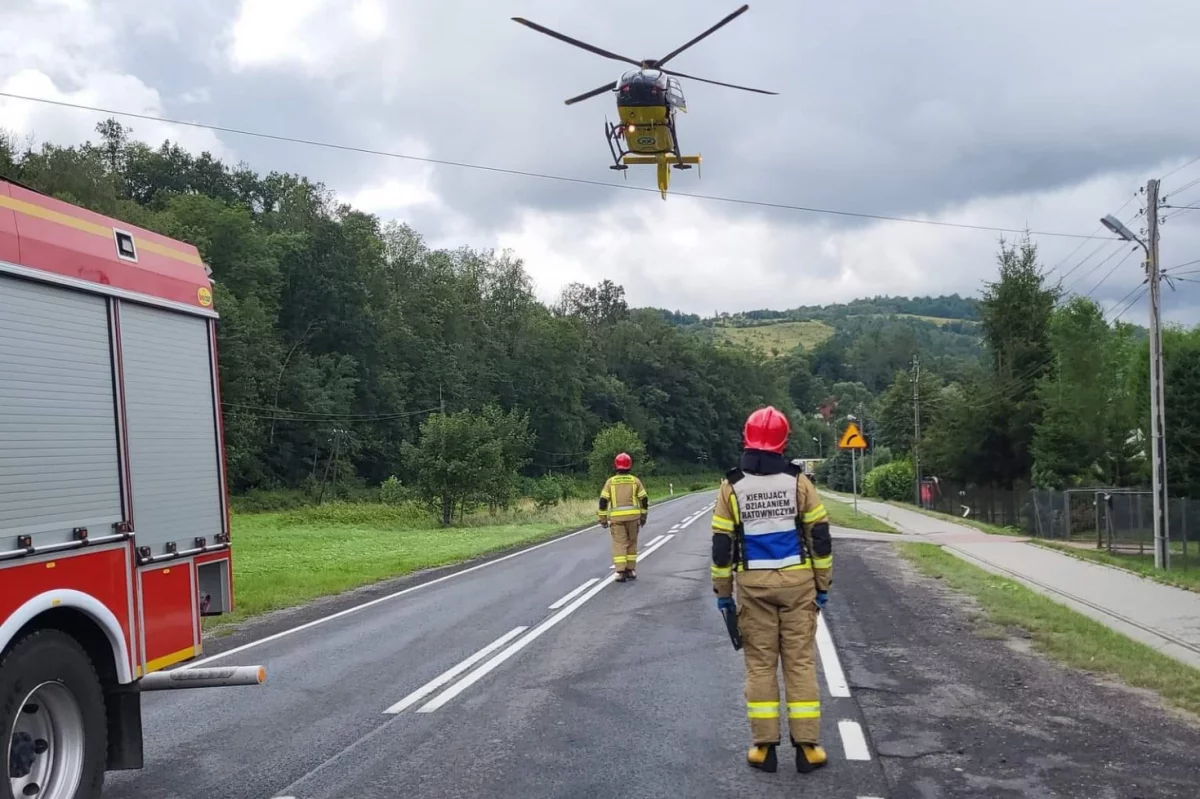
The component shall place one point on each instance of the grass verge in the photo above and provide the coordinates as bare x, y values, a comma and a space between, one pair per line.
842, 515
992, 529
282, 560
1182, 574
1060, 632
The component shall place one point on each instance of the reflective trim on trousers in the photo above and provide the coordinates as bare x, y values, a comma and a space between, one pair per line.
762, 710
804, 710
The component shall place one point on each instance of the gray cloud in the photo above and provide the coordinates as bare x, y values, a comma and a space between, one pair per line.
937, 107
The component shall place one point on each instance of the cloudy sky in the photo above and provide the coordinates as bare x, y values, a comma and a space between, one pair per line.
1040, 114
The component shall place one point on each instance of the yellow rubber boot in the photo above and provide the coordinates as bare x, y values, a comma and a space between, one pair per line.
810, 757
762, 757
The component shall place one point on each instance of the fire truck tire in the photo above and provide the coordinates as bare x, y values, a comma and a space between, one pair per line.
53, 725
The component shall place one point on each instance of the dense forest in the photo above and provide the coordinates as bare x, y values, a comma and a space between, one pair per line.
340, 334
350, 346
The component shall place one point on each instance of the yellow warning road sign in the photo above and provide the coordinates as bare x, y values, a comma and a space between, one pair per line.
852, 438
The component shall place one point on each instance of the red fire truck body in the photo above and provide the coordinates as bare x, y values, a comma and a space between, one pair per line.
114, 518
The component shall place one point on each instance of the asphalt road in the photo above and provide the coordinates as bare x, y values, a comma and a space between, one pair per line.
536, 676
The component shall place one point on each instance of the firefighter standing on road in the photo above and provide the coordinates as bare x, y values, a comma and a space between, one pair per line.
624, 507
770, 527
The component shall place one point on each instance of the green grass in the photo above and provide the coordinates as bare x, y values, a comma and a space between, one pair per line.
1182, 574
285, 559
282, 560
842, 515
779, 336
1060, 632
941, 321
993, 529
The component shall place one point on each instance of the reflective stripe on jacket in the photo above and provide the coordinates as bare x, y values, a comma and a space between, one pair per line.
622, 498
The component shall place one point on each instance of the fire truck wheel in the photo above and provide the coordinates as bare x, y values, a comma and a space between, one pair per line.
52, 720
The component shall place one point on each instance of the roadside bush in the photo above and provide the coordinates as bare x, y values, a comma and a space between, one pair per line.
269, 500
611, 441
547, 491
892, 481
393, 492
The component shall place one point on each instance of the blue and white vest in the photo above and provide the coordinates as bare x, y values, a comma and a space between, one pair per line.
768, 508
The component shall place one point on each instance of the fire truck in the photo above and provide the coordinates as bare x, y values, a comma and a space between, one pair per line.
114, 515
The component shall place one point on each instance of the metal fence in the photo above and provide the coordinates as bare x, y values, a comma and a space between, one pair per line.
1119, 520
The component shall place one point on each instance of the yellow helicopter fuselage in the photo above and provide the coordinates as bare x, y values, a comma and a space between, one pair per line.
647, 125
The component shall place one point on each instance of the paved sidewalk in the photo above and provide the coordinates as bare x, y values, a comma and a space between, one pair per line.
1161, 616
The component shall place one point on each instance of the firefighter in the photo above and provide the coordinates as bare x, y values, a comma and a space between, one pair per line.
624, 506
771, 538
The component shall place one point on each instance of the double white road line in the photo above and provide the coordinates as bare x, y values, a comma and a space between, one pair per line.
565, 607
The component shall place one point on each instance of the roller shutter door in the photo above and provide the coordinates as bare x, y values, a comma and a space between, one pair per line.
172, 427
59, 466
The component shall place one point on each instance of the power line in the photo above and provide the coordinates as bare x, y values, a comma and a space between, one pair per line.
1180, 168
1078, 280
1092, 254
1111, 271
1140, 289
542, 175
1180, 266
1144, 291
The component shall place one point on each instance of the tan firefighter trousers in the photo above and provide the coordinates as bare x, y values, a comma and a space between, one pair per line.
624, 544
777, 618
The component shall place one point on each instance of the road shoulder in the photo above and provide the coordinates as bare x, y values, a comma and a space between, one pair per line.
959, 706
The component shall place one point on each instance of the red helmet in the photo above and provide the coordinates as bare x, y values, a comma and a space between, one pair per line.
623, 461
766, 429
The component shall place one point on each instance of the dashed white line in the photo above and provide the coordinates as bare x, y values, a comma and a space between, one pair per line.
574, 593
515, 647
853, 741
448, 675
342, 613
835, 678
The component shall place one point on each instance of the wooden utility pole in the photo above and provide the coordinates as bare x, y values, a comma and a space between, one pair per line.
1162, 554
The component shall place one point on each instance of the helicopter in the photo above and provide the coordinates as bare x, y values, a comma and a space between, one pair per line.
648, 98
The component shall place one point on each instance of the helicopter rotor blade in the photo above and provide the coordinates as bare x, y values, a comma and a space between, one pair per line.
708, 32
717, 82
608, 87
564, 38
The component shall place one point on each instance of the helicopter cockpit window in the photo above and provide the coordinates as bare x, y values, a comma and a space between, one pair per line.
675, 92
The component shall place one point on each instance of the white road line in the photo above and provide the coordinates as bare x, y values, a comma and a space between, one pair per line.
646, 547
835, 678
574, 593
481, 672
448, 675
853, 741
521, 643
198, 663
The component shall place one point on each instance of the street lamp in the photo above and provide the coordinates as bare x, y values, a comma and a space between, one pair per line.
1118, 227
1162, 552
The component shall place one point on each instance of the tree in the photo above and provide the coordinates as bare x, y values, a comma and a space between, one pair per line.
512, 431
609, 443
1016, 311
894, 409
456, 461
1072, 437
1181, 386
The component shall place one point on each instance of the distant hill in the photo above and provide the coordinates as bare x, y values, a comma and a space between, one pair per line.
777, 337
946, 325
